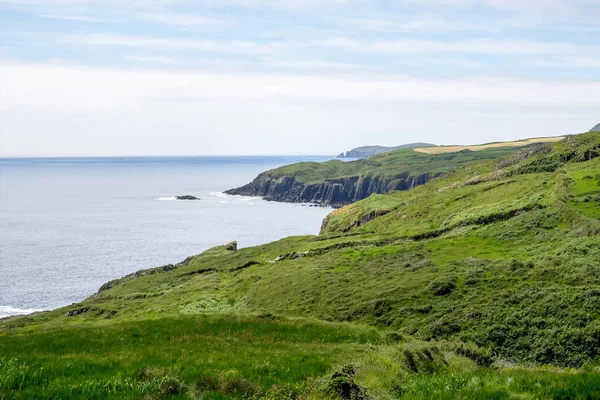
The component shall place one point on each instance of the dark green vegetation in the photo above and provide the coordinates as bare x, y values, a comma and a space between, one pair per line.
338, 183
482, 284
370, 151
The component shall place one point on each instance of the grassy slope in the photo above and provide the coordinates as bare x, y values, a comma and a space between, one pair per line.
386, 165
519, 143
495, 254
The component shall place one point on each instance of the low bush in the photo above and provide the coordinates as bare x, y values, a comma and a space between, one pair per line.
441, 288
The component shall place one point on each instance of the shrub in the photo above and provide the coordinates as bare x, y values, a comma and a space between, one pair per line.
480, 356
410, 362
441, 288
342, 384
426, 309
238, 386
171, 386
394, 337
443, 327
230, 385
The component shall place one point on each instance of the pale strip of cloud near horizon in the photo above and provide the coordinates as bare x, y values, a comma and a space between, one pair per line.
157, 77
81, 18
483, 46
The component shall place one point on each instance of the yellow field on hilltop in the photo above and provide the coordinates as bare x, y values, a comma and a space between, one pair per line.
452, 149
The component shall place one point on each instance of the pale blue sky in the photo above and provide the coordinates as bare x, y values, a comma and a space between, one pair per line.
114, 77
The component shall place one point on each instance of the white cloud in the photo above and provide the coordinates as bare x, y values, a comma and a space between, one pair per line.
213, 64
538, 6
232, 46
91, 10
156, 60
291, 4
69, 3
69, 110
201, 96
475, 46
268, 88
66, 17
418, 24
564, 62
186, 20
495, 47
309, 64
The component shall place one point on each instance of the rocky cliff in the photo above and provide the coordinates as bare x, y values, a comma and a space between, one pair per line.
337, 183
331, 192
596, 128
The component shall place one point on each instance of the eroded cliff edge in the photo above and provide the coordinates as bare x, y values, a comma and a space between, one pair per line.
335, 192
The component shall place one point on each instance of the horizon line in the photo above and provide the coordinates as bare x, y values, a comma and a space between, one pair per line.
168, 156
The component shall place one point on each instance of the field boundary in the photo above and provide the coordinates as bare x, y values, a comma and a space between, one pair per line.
453, 149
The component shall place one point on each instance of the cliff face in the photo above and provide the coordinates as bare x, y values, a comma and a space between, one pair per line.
596, 128
332, 192
337, 183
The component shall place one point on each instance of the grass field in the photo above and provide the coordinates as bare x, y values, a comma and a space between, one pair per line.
518, 143
174, 356
216, 357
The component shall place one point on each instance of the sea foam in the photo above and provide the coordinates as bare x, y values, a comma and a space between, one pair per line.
7, 311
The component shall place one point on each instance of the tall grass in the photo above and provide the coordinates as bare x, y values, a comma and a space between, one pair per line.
237, 357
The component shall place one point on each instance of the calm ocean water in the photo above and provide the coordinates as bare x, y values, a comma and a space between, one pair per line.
67, 225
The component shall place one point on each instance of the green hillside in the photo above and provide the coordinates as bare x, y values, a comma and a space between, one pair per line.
386, 165
339, 183
481, 284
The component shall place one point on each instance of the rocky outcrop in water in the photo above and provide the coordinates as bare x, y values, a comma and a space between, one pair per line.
186, 197
331, 192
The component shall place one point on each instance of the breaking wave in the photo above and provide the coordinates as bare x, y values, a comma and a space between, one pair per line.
7, 311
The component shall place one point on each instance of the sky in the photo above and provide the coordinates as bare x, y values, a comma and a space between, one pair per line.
237, 77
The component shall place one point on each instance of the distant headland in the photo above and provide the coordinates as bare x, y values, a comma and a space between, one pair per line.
370, 151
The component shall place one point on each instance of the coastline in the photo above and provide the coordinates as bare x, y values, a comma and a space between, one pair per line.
8, 312
99, 220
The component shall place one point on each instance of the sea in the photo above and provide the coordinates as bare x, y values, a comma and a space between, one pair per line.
68, 225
